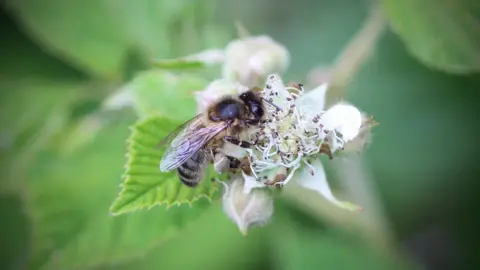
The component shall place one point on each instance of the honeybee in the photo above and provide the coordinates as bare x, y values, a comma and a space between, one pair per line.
193, 144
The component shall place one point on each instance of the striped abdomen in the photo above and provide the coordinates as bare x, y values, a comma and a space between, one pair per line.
192, 171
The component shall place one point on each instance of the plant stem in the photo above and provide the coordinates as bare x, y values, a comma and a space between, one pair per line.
371, 224
357, 51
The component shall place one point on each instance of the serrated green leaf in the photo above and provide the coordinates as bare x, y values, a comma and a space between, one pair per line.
161, 93
443, 34
145, 186
68, 203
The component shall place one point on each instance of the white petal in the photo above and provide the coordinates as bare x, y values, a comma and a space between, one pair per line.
275, 90
344, 118
314, 99
250, 183
318, 182
232, 150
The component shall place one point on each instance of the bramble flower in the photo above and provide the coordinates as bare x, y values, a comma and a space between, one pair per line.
298, 129
246, 209
250, 59
290, 141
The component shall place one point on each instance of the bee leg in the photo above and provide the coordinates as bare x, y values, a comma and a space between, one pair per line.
243, 165
220, 163
252, 122
325, 149
236, 141
257, 138
234, 162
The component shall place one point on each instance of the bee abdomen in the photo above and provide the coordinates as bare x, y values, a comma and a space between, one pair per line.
191, 172
187, 176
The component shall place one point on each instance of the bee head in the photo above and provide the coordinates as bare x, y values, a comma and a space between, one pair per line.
248, 96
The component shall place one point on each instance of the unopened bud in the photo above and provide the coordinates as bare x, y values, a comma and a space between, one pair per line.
251, 59
247, 209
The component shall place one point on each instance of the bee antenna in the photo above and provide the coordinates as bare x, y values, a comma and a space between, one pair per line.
273, 104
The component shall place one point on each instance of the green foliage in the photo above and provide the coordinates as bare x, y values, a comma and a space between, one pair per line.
146, 25
65, 159
20, 114
164, 94
211, 242
14, 230
144, 185
98, 36
95, 44
27, 126
69, 200
197, 61
443, 34
306, 245
181, 64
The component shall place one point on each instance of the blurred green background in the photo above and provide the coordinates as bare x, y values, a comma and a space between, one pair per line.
62, 156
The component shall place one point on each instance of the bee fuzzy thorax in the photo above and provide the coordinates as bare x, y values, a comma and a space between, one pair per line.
226, 109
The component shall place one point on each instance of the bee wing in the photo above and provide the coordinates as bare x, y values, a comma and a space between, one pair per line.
193, 123
188, 142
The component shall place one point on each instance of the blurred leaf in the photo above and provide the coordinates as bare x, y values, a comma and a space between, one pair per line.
149, 24
211, 242
158, 29
22, 58
96, 36
27, 104
297, 243
414, 155
196, 61
32, 111
162, 93
77, 134
68, 202
85, 33
14, 232
145, 185
180, 64
443, 34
